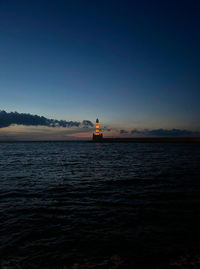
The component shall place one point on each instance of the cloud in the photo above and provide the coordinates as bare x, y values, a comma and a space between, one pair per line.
106, 129
87, 123
7, 119
123, 131
164, 132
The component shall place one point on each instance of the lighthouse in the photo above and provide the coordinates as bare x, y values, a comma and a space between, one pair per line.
97, 137
97, 127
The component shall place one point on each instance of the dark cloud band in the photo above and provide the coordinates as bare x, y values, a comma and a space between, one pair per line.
164, 132
7, 119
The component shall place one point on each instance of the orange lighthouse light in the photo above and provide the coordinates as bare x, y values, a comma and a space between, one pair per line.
97, 127
97, 137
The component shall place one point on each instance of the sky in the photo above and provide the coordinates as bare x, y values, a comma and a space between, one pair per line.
133, 64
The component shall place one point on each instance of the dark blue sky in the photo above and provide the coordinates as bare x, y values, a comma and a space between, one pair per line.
134, 64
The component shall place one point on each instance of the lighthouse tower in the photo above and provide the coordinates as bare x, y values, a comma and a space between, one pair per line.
97, 137
97, 127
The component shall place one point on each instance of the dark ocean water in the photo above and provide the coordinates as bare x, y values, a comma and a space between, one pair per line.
126, 205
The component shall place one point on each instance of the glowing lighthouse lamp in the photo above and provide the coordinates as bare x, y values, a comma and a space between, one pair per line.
97, 137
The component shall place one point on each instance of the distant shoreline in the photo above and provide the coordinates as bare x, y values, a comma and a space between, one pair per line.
151, 140
118, 140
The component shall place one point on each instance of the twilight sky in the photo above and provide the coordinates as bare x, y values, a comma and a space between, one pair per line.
134, 64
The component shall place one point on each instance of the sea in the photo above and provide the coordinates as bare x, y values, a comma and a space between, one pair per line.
98, 205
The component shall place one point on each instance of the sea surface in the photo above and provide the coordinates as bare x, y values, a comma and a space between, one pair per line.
87, 205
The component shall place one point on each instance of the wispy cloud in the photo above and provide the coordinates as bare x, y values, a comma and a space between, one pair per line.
8, 119
106, 129
164, 132
122, 131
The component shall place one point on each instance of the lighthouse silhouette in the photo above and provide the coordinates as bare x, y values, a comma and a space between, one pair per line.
97, 137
